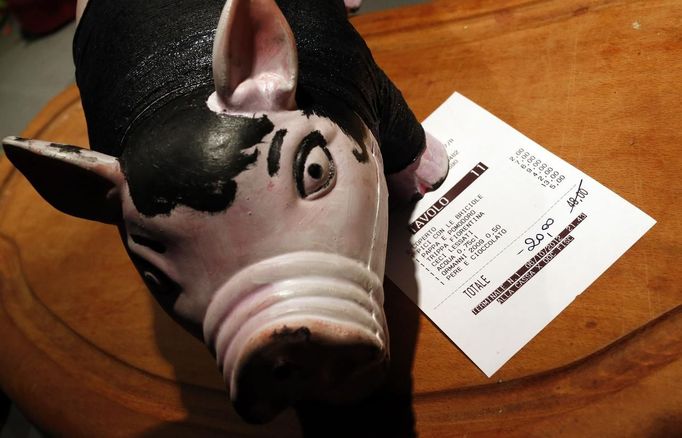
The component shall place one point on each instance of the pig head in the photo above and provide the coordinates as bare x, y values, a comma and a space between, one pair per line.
259, 226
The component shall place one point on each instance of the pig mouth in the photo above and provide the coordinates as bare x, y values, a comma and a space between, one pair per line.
300, 326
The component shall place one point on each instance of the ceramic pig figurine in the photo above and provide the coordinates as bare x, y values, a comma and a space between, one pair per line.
242, 155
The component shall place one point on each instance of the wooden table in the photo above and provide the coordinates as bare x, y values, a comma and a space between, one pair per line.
85, 351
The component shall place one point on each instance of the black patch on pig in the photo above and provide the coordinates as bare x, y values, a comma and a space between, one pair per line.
185, 154
275, 151
339, 79
131, 58
68, 148
285, 333
347, 120
68, 187
131, 55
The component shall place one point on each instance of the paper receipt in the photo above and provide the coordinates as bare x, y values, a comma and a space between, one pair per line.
509, 240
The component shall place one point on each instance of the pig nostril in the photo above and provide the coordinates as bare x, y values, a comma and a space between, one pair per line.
282, 370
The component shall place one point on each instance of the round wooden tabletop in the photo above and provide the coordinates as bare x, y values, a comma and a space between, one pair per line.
86, 352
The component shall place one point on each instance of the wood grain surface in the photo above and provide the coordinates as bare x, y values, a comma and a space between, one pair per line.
86, 352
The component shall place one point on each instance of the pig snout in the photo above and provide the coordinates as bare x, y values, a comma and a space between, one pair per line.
300, 326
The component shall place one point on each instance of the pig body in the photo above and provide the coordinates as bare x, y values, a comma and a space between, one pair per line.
245, 169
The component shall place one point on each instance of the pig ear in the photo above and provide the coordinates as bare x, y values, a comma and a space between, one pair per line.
255, 64
77, 181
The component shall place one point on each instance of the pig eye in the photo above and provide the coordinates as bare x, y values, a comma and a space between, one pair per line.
314, 168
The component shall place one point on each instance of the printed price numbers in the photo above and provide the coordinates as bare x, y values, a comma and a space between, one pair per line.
547, 175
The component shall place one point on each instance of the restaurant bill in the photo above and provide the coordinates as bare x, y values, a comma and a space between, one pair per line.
509, 240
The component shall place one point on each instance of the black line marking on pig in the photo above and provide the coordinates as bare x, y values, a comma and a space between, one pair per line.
15, 138
275, 151
68, 148
149, 243
185, 154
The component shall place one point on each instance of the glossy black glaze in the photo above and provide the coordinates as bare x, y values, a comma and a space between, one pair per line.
133, 58
167, 164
